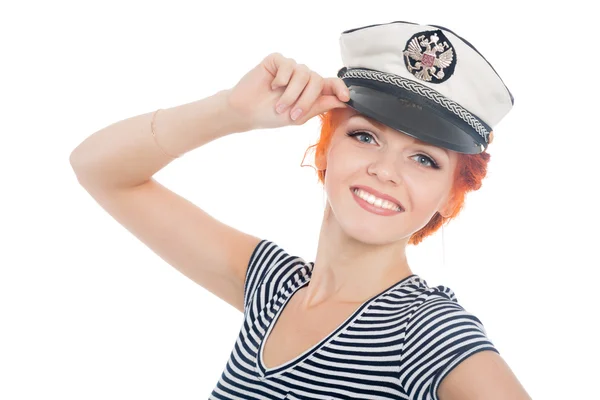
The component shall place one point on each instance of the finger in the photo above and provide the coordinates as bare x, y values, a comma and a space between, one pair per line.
310, 93
323, 104
272, 62
296, 85
285, 69
337, 87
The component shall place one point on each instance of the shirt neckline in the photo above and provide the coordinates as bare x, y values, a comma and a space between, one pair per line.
265, 372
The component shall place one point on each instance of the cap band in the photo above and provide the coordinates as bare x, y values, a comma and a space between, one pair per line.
480, 127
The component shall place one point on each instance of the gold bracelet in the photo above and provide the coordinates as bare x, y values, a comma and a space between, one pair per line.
154, 135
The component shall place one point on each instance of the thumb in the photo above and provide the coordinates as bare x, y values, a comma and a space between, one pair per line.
323, 104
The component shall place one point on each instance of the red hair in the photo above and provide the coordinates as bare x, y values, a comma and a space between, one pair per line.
468, 175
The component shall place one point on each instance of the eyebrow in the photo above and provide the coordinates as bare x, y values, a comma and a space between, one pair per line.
383, 127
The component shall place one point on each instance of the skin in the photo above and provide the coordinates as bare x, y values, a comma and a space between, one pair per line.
359, 253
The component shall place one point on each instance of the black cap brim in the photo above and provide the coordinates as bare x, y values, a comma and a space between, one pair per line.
415, 116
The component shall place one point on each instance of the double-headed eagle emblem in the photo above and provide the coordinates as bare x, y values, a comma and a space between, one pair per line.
426, 58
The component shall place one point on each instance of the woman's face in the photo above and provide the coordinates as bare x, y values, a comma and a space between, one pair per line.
392, 163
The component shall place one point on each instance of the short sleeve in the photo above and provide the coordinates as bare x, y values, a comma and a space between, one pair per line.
439, 335
269, 267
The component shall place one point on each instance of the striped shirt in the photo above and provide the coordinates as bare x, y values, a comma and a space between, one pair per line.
399, 344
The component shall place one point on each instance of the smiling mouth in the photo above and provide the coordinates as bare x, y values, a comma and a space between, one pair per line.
383, 208
378, 199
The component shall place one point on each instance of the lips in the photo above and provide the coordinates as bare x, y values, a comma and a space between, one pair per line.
378, 194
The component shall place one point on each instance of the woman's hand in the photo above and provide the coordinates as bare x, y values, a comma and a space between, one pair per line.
280, 80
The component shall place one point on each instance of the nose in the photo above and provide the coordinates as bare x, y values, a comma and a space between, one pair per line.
385, 168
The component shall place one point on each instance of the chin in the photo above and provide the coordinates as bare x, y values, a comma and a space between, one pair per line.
365, 231
367, 227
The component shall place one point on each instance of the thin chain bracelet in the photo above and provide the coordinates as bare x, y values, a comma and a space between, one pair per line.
154, 135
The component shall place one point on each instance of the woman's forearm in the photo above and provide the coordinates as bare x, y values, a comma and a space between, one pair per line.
125, 154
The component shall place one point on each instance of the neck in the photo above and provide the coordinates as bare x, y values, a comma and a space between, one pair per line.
349, 271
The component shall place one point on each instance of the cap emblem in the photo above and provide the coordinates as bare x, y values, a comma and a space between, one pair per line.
429, 56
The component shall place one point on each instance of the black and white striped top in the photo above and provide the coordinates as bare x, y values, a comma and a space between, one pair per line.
399, 344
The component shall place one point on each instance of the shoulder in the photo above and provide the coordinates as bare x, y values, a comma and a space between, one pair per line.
428, 301
439, 334
271, 267
437, 313
269, 256
418, 296
432, 293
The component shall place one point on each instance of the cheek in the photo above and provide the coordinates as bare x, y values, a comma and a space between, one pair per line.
425, 196
344, 169
342, 165
337, 178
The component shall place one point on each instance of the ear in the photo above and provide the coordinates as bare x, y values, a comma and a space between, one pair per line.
449, 207
321, 162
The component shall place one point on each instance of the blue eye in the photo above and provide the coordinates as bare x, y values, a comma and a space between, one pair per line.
360, 133
430, 162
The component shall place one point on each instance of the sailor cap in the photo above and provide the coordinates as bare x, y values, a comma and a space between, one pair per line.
425, 81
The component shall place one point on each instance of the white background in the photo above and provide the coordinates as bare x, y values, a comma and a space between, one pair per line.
88, 312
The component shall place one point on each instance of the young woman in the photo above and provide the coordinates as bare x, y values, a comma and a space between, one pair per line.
405, 126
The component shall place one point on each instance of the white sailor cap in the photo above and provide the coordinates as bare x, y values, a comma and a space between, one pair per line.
425, 81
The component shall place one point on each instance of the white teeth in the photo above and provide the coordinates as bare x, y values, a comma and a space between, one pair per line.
376, 201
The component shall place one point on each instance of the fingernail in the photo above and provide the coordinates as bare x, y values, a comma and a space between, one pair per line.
296, 113
280, 108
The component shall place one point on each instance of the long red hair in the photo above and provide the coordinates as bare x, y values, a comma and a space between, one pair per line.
468, 175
